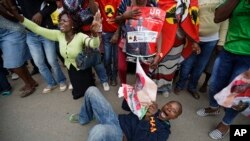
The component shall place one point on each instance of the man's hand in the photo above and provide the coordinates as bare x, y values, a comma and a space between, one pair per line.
219, 48
96, 24
9, 10
37, 18
196, 48
155, 62
132, 13
114, 38
152, 110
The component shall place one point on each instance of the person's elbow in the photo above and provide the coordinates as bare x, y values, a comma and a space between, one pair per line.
220, 17
217, 20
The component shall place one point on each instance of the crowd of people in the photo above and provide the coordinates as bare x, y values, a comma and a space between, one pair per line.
197, 36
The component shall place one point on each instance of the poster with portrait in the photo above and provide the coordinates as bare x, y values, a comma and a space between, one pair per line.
141, 95
237, 94
143, 31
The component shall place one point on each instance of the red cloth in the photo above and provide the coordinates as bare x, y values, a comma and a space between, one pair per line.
190, 26
108, 9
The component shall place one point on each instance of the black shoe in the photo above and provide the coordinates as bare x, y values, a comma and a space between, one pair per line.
34, 71
113, 82
194, 93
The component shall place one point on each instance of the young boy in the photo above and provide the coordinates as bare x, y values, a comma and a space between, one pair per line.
153, 127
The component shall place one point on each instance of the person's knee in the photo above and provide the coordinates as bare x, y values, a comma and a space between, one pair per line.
91, 91
97, 133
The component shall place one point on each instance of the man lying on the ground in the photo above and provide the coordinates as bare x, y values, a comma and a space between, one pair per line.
153, 127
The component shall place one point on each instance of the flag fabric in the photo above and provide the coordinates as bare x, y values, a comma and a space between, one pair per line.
184, 13
141, 95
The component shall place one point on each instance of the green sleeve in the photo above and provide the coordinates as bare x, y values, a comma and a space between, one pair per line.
93, 42
50, 34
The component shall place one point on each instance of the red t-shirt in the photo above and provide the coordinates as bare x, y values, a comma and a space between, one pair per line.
108, 9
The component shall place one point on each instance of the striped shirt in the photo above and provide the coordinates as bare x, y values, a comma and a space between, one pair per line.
125, 3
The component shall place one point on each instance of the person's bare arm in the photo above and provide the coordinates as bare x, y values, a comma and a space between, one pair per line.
225, 10
115, 37
159, 55
93, 6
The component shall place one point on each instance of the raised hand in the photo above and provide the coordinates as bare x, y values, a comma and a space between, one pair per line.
12, 9
37, 18
5, 13
97, 23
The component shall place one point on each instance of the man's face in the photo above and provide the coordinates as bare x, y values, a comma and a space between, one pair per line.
169, 111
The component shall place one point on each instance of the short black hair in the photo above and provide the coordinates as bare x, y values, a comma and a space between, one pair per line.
76, 19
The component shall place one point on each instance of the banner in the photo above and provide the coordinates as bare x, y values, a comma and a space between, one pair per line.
141, 95
143, 31
237, 94
185, 14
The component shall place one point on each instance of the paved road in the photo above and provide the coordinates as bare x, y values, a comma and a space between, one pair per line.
44, 117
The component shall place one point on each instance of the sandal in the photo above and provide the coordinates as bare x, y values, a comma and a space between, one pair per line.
213, 112
74, 118
217, 134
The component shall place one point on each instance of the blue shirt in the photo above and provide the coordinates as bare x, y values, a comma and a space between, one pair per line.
124, 3
144, 130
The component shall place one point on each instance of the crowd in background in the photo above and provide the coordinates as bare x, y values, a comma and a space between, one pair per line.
214, 38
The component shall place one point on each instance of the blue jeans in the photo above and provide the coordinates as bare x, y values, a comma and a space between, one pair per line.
14, 48
101, 72
110, 55
39, 45
192, 68
4, 83
226, 67
95, 105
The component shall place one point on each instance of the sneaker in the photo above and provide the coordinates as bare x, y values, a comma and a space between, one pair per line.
105, 86
5, 93
220, 132
14, 76
203, 112
63, 87
48, 89
166, 94
70, 87
74, 118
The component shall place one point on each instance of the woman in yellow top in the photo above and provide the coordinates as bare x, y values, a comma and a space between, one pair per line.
71, 41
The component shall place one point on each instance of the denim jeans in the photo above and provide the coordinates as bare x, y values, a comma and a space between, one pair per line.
101, 72
14, 48
192, 68
110, 55
39, 45
226, 67
95, 105
4, 83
